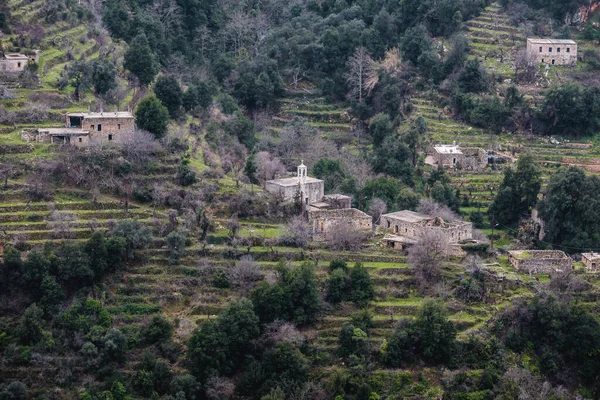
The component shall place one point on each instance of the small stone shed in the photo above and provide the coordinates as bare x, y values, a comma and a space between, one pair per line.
540, 261
591, 261
552, 51
448, 155
413, 225
453, 155
16, 62
310, 190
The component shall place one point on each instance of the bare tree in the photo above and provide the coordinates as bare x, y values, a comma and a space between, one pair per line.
140, 146
525, 67
7, 171
219, 388
358, 67
233, 159
169, 14
268, 166
358, 168
62, 224
234, 227
430, 207
376, 209
244, 274
297, 233
346, 237
425, 257
158, 197
282, 331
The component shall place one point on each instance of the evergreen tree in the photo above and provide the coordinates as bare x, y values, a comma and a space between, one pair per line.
141, 60
518, 192
152, 116
168, 91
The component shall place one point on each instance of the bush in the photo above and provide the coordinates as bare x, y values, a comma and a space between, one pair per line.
159, 329
152, 116
176, 241
337, 286
136, 236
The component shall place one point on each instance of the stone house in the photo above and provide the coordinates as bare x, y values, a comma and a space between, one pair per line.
413, 225
16, 62
82, 129
448, 155
453, 156
325, 222
552, 51
591, 261
309, 190
540, 261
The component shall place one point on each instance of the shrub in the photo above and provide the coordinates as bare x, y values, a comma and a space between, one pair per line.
176, 241
159, 329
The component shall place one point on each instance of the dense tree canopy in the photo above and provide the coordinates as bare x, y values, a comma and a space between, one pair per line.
518, 192
571, 210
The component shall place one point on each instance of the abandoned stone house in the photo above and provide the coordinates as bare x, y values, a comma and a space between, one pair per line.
552, 51
82, 129
454, 156
330, 216
307, 189
412, 225
16, 62
540, 261
591, 261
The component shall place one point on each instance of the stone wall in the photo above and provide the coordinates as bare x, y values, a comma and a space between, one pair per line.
324, 223
540, 261
475, 158
453, 233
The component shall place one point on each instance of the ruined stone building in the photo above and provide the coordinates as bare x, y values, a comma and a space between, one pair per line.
412, 225
16, 62
453, 156
552, 51
308, 189
333, 214
591, 261
82, 129
540, 261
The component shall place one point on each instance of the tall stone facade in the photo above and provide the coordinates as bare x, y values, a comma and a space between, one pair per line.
413, 225
540, 261
309, 190
552, 51
81, 129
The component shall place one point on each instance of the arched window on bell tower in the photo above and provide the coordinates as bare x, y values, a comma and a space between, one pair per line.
302, 171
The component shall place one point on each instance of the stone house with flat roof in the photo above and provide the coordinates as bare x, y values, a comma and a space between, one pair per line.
540, 261
16, 62
82, 129
591, 261
413, 225
552, 51
453, 156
